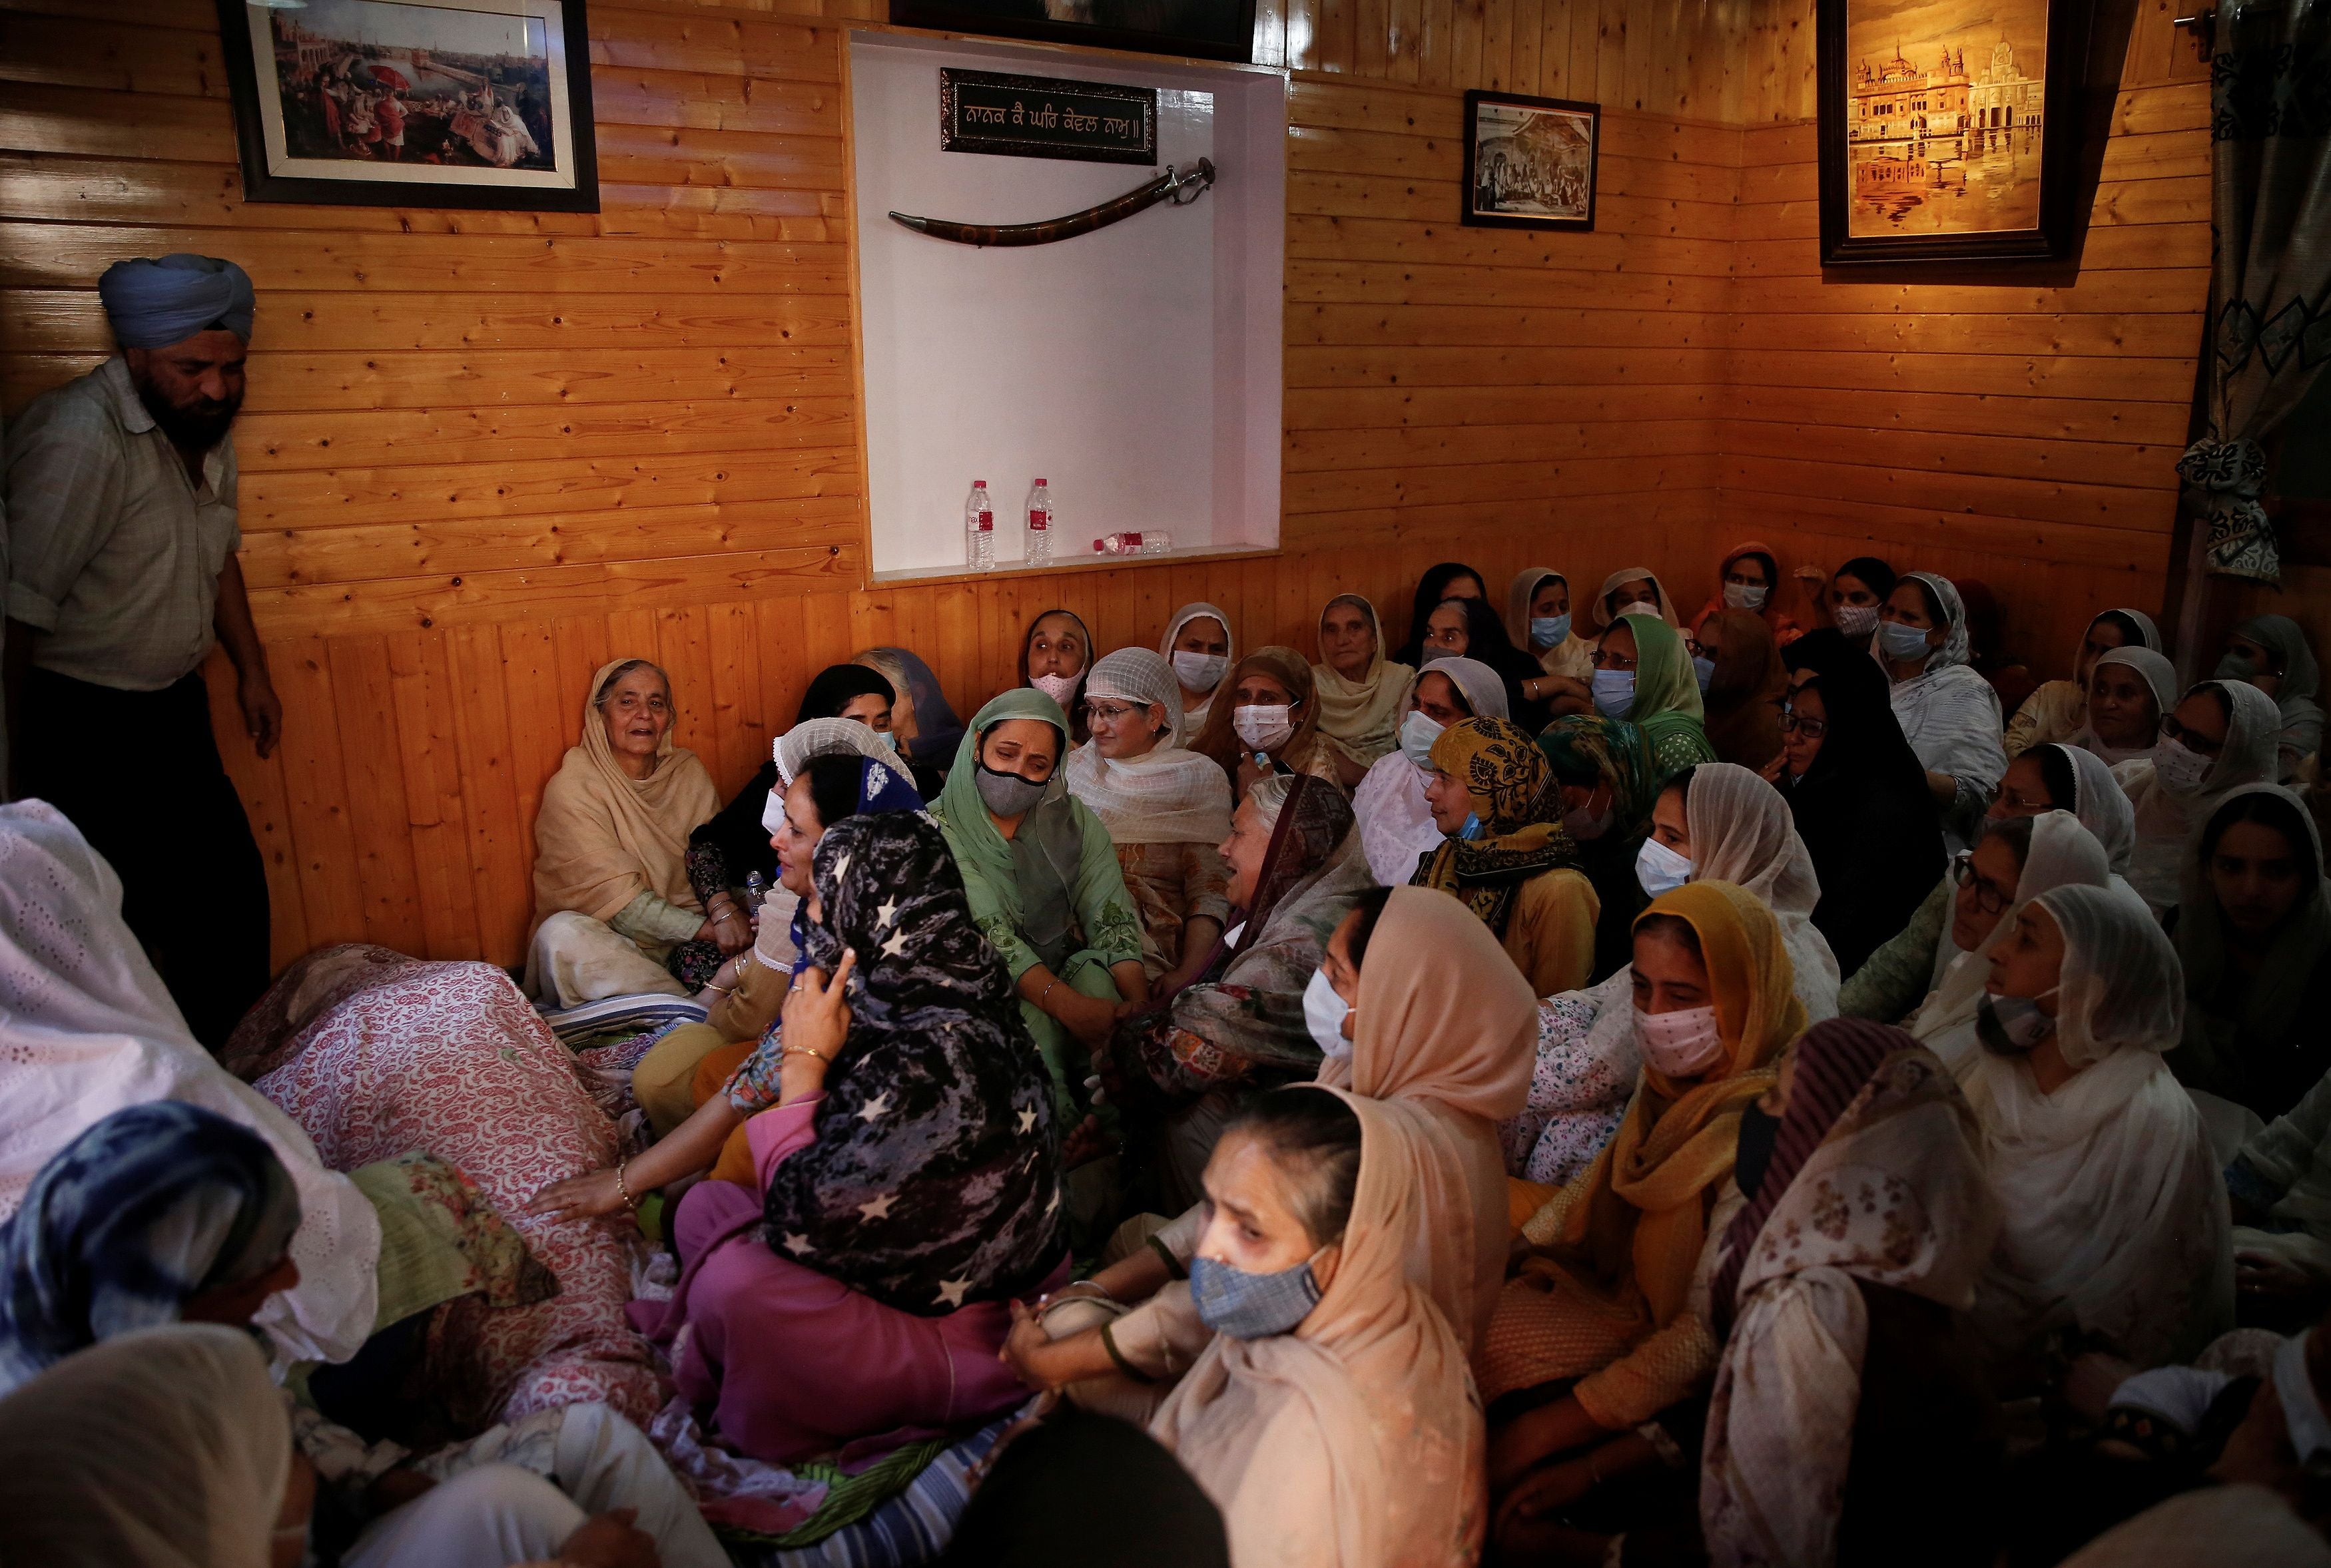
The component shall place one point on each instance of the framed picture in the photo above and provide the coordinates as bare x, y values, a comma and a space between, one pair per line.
414, 103
1206, 28
1529, 162
1948, 128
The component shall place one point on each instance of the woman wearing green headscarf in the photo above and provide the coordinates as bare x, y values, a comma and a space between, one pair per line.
1044, 884
1609, 784
1643, 675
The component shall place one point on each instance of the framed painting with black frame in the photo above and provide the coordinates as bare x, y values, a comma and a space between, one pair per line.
1529, 162
414, 103
1202, 29
1948, 129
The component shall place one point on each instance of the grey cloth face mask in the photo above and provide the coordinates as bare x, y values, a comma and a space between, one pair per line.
1007, 794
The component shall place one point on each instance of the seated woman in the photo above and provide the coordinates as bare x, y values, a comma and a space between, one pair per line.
1859, 796
1445, 580
1362, 694
1331, 1419
1044, 888
734, 844
1537, 614
2253, 935
1897, 977
88, 1029
2116, 1229
1744, 685
1848, 600
907, 1182
2220, 737
1608, 1322
1643, 675
166, 1213
1504, 855
1470, 629
922, 724
1240, 1025
1748, 579
1396, 826
1948, 713
615, 913
1604, 768
2271, 652
1168, 811
1053, 659
1268, 722
1199, 645
1632, 591
2280, 1183
2130, 691
2058, 709
1850, 1395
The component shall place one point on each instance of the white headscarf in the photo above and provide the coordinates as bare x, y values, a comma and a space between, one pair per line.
1195, 718
1954, 649
1602, 607
1483, 691
168, 1448
87, 1028
2159, 675
1742, 832
1169, 795
2102, 806
2167, 822
2116, 1219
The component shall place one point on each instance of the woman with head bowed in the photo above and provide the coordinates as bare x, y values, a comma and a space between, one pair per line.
1948, 712
906, 1184
1748, 580
615, 912
1447, 580
924, 725
1239, 1026
2116, 1217
1643, 675
1860, 799
1362, 694
1395, 820
2253, 935
1168, 811
1054, 656
1632, 591
1744, 686
1609, 784
2271, 652
1469, 628
1504, 853
2058, 709
1199, 645
1608, 1321
1268, 722
2221, 736
1539, 615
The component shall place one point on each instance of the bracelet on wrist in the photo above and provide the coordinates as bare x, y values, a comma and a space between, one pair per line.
805, 1050
622, 1191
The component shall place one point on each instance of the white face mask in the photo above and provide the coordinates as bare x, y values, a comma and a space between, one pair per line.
1263, 728
1637, 607
1746, 595
1857, 621
1324, 1011
1679, 1044
2180, 769
1660, 869
1059, 688
1199, 671
1903, 642
1417, 733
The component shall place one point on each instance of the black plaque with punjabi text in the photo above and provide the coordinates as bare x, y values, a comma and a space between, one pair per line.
1040, 116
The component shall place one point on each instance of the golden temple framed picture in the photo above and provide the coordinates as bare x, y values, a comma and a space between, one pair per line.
1947, 128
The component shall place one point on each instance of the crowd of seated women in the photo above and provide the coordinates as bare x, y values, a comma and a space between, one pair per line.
1592, 1082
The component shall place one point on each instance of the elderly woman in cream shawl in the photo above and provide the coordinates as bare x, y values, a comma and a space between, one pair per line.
613, 910
1362, 694
1168, 811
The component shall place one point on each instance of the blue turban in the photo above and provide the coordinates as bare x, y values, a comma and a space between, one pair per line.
153, 303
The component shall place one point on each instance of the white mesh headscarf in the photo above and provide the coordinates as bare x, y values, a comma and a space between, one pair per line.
1742, 832
87, 1028
1137, 675
2063, 853
2123, 987
1168, 795
1483, 689
815, 738
2102, 806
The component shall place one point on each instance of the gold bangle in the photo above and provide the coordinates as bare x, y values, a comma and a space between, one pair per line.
622, 1191
805, 1050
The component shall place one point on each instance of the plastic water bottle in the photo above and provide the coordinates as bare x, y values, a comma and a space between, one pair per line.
757, 891
1147, 542
979, 528
1039, 525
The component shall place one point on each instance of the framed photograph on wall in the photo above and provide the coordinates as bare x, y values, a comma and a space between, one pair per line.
1202, 29
1529, 162
1948, 128
414, 103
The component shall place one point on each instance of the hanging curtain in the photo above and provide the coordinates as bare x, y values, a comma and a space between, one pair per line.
2270, 280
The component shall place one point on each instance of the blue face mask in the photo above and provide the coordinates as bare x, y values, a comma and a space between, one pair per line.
1417, 733
1902, 642
1615, 692
1703, 670
1472, 828
1548, 630
1244, 1305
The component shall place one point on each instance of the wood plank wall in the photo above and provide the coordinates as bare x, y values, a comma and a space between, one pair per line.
483, 452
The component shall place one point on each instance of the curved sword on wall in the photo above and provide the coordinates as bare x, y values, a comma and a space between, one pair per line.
1180, 190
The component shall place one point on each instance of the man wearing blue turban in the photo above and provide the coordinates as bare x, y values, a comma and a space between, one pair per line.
121, 575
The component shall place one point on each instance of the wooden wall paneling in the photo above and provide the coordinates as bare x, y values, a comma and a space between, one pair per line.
423, 697
363, 726
500, 837
266, 802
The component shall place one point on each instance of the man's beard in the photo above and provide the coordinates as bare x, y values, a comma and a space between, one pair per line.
199, 428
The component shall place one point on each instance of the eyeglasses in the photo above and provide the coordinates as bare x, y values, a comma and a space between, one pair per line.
1107, 712
2192, 739
1988, 897
1602, 661
1811, 729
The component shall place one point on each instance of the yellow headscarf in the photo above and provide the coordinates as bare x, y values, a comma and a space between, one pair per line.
1628, 1229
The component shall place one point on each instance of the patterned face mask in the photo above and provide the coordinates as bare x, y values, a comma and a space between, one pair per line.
1242, 1305
1059, 688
